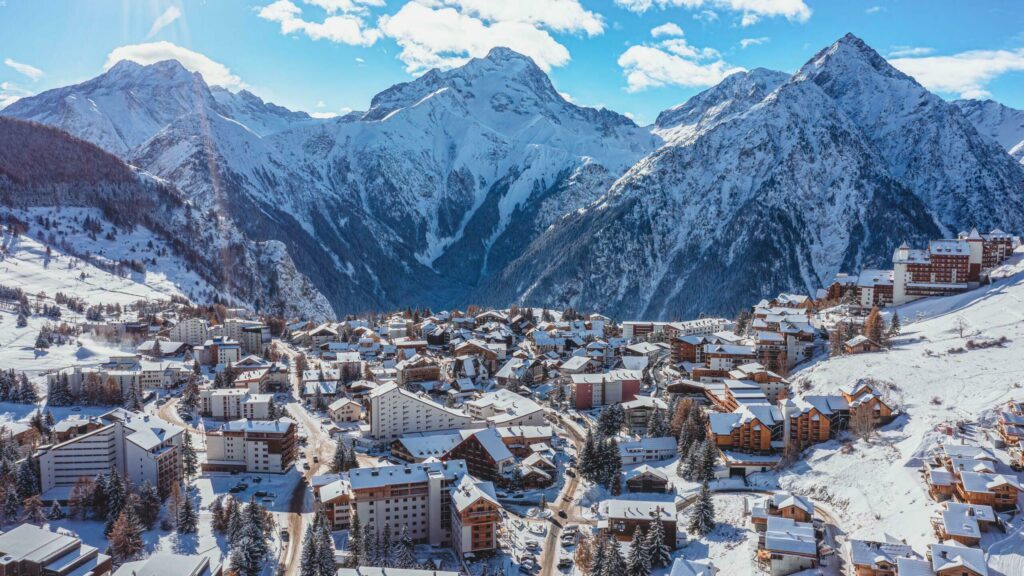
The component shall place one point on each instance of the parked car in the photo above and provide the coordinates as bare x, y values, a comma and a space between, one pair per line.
565, 563
284, 536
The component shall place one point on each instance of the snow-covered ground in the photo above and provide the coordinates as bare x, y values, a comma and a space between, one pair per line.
26, 265
874, 487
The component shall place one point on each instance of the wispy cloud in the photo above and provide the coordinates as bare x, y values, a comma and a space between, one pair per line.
909, 51
874, 10
751, 11
11, 93
966, 73
30, 72
164, 20
153, 52
747, 42
667, 29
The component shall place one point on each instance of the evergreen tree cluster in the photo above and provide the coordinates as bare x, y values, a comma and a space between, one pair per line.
600, 461
16, 388
611, 420
94, 392
388, 550
345, 457
697, 452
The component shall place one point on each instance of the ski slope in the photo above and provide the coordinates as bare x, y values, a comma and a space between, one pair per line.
874, 487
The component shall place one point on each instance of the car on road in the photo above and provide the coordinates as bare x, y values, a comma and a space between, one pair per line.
562, 514
570, 473
284, 536
316, 459
240, 487
565, 563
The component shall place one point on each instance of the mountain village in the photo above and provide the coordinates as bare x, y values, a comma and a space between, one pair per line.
480, 330
211, 440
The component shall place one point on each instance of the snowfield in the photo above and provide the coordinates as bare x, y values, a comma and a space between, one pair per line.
875, 488
27, 267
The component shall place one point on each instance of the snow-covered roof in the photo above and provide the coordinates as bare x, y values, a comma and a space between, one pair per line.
954, 555
363, 478
639, 510
687, 567
787, 536
868, 553
265, 426
469, 491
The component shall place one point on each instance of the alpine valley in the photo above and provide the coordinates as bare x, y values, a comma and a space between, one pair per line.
482, 184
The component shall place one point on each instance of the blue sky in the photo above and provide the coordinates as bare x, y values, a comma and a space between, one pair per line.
331, 56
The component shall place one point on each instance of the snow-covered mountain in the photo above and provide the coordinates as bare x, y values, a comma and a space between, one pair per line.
829, 171
730, 97
483, 184
128, 220
443, 180
1001, 123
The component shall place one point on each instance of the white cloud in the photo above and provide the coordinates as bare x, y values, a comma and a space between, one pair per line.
359, 60
152, 52
443, 37
706, 16
323, 115
567, 97
672, 62
909, 51
747, 42
321, 104
752, 10
967, 73
11, 93
873, 10
345, 28
162, 21
555, 15
31, 72
344, 6
667, 29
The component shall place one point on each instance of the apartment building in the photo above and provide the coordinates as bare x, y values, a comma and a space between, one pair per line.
476, 516
613, 387
235, 403
433, 500
191, 331
252, 446
31, 550
394, 411
218, 352
141, 446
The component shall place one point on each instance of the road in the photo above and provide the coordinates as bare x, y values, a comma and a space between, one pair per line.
564, 503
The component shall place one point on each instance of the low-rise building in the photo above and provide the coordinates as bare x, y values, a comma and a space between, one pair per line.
252, 446
31, 550
621, 518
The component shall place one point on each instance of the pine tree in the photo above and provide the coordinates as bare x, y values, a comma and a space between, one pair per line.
357, 543
340, 460
56, 512
189, 459
894, 325
702, 519
693, 465
639, 561
384, 546
117, 496
149, 504
255, 528
874, 325
616, 564
126, 537
661, 556
27, 482
188, 520
613, 467
22, 319
218, 520
310, 555
11, 503
405, 554
588, 455
325, 547
708, 459
657, 427
98, 496
600, 559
